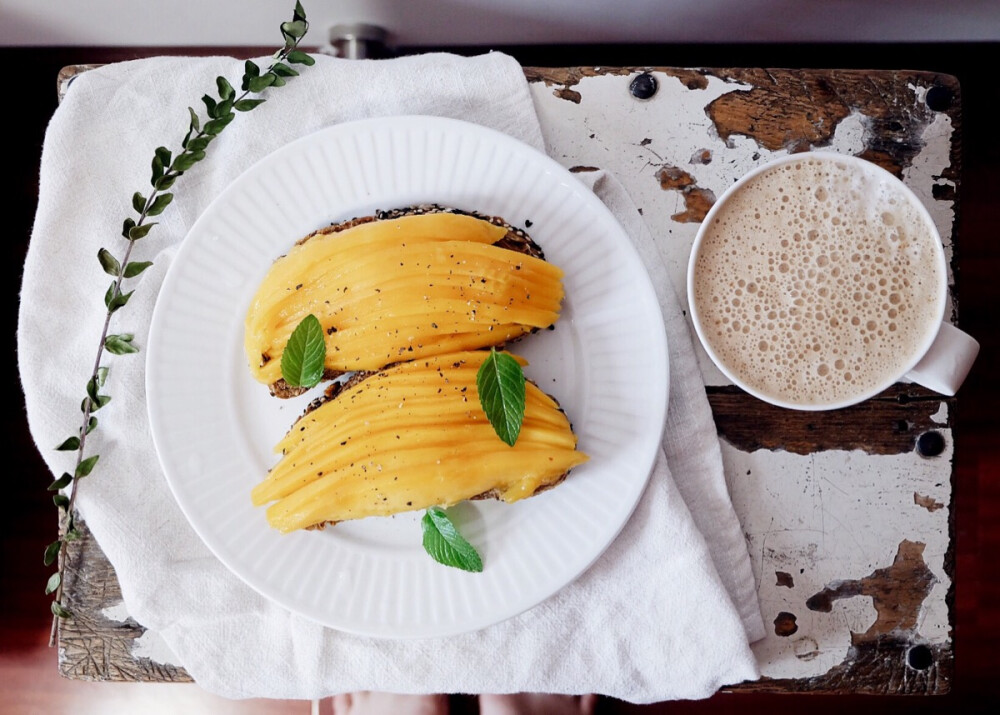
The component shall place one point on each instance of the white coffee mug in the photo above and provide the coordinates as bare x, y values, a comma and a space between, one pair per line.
818, 280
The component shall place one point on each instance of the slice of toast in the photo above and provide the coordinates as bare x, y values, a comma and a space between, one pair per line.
512, 239
407, 438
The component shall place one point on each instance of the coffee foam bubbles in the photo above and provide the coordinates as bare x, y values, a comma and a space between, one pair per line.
817, 282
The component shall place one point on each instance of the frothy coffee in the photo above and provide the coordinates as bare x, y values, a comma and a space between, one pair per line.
815, 283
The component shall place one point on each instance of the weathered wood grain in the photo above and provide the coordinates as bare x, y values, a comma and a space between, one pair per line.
889, 423
91, 645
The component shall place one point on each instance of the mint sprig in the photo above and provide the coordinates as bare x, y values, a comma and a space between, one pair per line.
501, 386
305, 353
445, 545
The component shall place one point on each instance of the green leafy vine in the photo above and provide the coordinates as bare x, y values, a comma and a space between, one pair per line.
166, 169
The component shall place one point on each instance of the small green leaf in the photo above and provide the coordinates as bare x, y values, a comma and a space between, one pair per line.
138, 202
158, 167
210, 105
61, 483
70, 445
53, 583
185, 161
166, 182
118, 345
135, 268
445, 545
245, 105
52, 551
501, 386
304, 355
92, 388
283, 70
159, 203
259, 84
200, 143
86, 466
163, 154
100, 402
127, 226
278, 81
250, 71
298, 13
72, 534
102, 376
299, 57
195, 123
295, 29
217, 125
61, 501
58, 610
225, 89
119, 300
91, 425
108, 262
137, 232
110, 293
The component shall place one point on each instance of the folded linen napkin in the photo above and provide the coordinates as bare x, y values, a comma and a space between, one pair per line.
651, 620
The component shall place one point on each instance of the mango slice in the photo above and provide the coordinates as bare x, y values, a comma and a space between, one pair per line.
401, 289
410, 437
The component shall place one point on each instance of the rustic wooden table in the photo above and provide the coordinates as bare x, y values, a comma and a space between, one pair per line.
847, 514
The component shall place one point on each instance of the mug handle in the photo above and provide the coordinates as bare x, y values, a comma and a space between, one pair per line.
944, 367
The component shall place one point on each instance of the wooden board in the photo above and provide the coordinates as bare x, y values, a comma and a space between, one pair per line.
847, 514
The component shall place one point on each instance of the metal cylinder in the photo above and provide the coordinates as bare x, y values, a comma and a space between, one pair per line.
358, 40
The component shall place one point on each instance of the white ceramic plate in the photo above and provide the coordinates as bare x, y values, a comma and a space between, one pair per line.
214, 427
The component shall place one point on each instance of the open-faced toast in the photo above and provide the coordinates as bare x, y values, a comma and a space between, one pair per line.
410, 437
402, 285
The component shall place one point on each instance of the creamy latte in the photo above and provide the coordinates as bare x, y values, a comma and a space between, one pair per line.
817, 282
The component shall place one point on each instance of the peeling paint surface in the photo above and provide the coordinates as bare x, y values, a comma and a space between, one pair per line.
815, 520
151, 645
814, 516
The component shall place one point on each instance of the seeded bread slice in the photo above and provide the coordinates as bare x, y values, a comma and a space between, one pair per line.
516, 240
335, 389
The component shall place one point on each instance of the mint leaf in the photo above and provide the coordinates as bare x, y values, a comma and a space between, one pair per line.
500, 383
445, 545
304, 355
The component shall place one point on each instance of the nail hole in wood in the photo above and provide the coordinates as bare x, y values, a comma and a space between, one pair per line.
938, 99
919, 657
644, 86
930, 444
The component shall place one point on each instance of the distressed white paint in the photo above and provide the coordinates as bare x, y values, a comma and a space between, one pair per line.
849, 135
117, 613
941, 416
151, 645
835, 516
821, 518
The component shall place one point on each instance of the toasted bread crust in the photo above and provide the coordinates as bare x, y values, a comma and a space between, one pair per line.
515, 240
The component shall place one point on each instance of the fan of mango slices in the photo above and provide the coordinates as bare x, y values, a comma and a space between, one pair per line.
426, 418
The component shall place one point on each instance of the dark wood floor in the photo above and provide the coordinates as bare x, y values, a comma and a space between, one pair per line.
29, 682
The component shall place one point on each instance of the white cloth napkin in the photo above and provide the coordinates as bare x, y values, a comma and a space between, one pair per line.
651, 620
